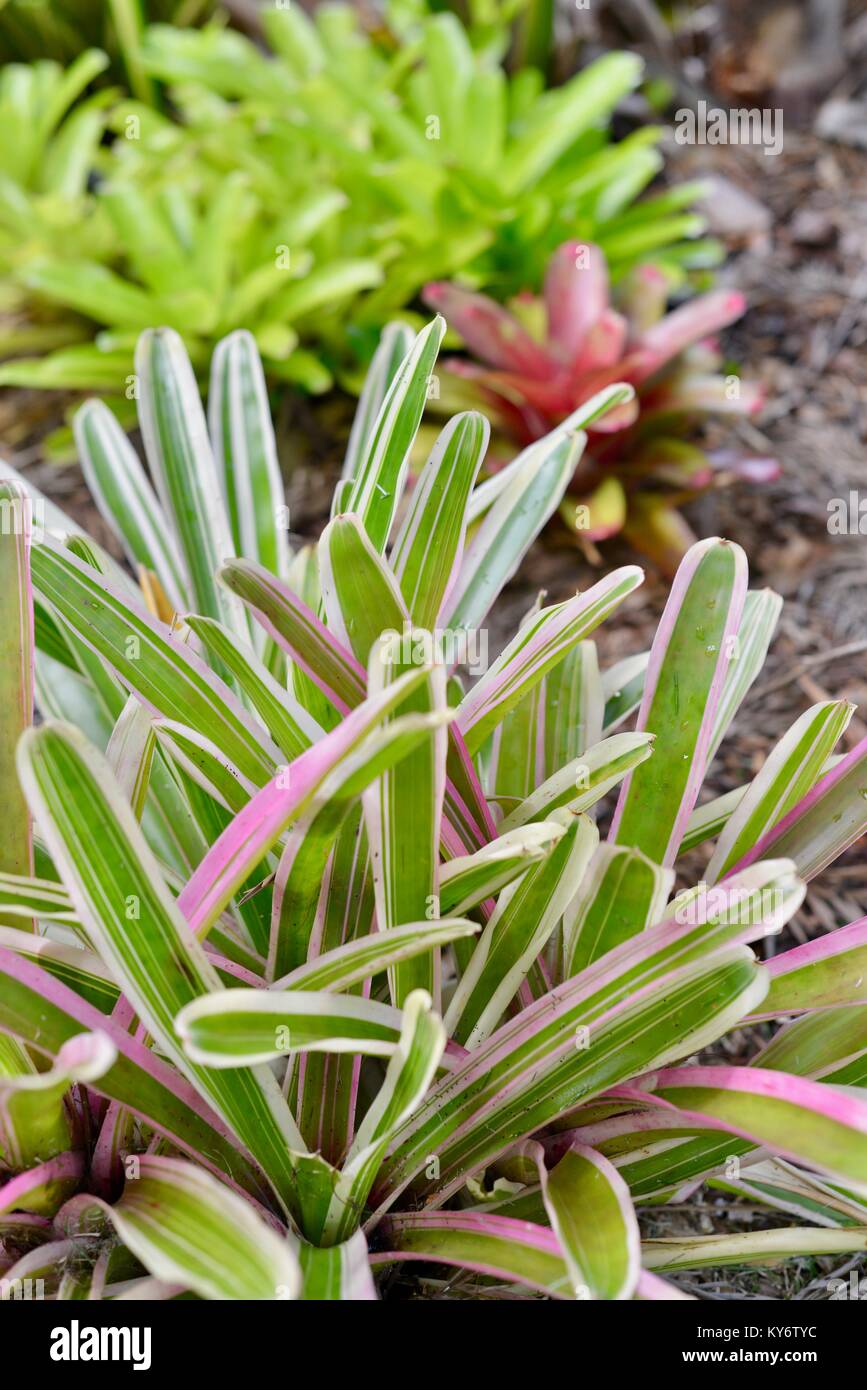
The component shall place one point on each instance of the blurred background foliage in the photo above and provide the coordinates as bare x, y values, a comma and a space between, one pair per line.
300, 175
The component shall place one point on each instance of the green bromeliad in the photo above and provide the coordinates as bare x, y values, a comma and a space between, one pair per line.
314, 961
298, 190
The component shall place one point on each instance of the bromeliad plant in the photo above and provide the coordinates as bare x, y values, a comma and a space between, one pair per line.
328, 180
314, 966
541, 358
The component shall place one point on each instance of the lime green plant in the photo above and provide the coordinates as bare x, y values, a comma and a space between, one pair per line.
321, 184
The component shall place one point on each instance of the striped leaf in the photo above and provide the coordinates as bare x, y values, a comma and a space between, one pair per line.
287, 721
246, 841
584, 780
800, 1119
245, 453
755, 633
337, 1273
622, 893
516, 517
820, 974
361, 596
574, 708
709, 820
539, 645
297, 630
468, 880
622, 689
34, 1125
550, 727
188, 1229
169, 679
787, 1188
394, 345
204, 763
586, 414
181, 462
750, 1248
119, 895
377, 482
428, 548
790, 772
500, 1099
45, 1014
536, 1067
76, 966
24, 897
403, 814
369, 955
410, 1071
824, 823
825, 1045
130, 753
688, 663
498, 1247
121, 490
525, 916
310, 841
247, 1027
16, 680
591, 1214
328, 1083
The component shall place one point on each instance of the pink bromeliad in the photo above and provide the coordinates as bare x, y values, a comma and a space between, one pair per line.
541, 358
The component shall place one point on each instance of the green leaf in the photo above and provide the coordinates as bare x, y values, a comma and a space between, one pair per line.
410, 1071
536, 1066
403, 813
34, 1125
750, 1248
180, 458
497, 1247
394, 345
754, 636
526, 914
302, 867
189, 1229
378, 480
369, 955
245, 453
40, 1010
167, 677
584, 780
792, 768
591, 1213
16, 680
429, 545
248, 1027
529, 498
337, 1273
564, 114
469, 879
118, 891
543, 641
687, 666
125, 498
622, 893
296, 628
